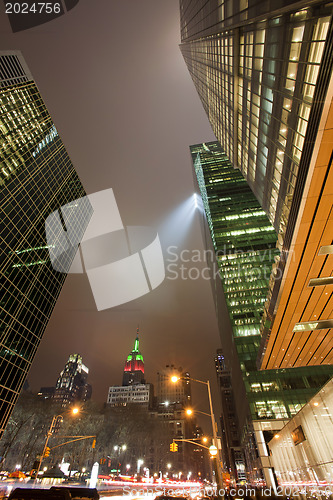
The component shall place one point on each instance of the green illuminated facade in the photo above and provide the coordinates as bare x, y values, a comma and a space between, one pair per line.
36, 178
244, 239
245, 246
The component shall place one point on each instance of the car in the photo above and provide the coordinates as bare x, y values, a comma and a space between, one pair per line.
39, 494
171, 497
54, 493
79, 492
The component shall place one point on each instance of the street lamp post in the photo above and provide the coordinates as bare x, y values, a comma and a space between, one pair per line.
140, 462
219, 479
49, 434
119, 449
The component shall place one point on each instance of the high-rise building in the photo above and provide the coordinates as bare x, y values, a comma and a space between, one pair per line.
72, 385
232, 453
125, 395
173, 394
244, 243
36, 178
263, 71
134, 389
172, 400
298, 332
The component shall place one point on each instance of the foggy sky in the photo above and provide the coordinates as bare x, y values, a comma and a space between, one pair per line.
115, 83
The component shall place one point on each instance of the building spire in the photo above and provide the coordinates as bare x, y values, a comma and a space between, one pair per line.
136, 343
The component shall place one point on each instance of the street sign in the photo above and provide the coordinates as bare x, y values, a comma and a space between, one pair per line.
213, 451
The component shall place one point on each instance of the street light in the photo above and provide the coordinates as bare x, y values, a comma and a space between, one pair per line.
140, 462
74, 411
219, 478
190, 412
119, 448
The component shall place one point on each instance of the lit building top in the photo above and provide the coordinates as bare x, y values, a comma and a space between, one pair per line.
134, 366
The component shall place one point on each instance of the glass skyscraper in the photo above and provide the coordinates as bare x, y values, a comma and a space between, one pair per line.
262, 70
36, 178
245, 248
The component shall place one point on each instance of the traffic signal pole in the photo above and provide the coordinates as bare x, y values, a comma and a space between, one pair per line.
49, 434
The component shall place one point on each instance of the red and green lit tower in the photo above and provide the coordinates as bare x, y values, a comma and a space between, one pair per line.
134, 371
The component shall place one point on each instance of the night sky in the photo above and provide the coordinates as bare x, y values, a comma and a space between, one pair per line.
115, 83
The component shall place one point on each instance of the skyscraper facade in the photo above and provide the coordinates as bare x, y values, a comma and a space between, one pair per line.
173, 394
36, 178
72, 385
244, 242
263, 71
263, 98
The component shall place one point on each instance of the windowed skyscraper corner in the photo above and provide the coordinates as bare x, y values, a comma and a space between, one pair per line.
36, 179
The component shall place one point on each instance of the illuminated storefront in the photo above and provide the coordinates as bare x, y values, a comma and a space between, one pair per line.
301, 453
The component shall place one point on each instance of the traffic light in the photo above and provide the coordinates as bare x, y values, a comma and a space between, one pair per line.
47, 451
93, 443
174, 447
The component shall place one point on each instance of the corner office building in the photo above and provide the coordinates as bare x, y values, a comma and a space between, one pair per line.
244, 243
36, 178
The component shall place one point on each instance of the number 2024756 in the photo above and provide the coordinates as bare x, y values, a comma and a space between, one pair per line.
34, 8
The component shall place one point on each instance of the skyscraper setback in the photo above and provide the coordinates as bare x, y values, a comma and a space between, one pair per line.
36, 178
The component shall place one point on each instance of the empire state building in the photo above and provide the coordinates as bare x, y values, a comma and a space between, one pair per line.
134, 389
134, 371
